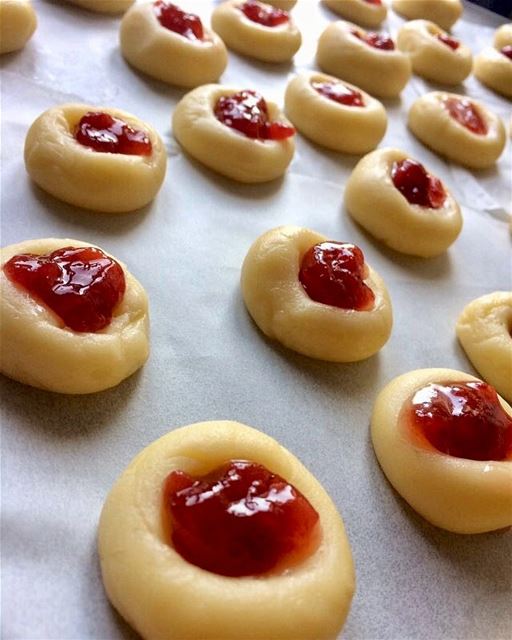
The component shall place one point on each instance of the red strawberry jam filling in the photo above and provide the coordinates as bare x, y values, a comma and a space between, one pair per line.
376, 40
102, 132
453, 43
507, 51
333, 273
247, 112
466, 114
338, 92
377, 2
416, 185
462, 419
175, 19
239, 520
264, 14
81, 285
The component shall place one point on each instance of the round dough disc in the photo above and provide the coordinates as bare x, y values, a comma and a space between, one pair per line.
359, 11
460, 495
36, 348
163, 596
18, 22
444, 13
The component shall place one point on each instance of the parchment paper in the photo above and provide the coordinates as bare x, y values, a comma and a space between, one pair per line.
61, 454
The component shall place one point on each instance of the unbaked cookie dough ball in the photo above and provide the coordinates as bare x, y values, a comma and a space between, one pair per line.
171, 45
444, 13
74, 320
458, 127
285, 5
17, 24
493, 68
103, 6
257, 29
366, 59
98, 158
399, 202
314, 296
435, 55
335, 114
369, 13
236, 133
484, 329
503, 36
152, 574
442, 438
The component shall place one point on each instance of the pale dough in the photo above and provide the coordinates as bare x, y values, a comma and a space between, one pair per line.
431, 123
503, 36
18, 22
279, 305
169, 56
336, 126
224, 149
444, 13
483, 329
79, 175
163, 596
269, 44
495, 70
431, 58
285, 5
344, 55
103, 6
36, 348
359, 11
377, 205
460, 495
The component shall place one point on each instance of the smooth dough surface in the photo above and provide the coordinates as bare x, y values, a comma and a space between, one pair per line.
377, 205
444, 13
79, 175
163, 596
330, 124
460, 495
279, 305
344, 55
503, 36
431, 123
18, 22
359, 11
169, 56
431, 58
36, 348
269, 44
103, 6
483, 329
286, 5
224, 149
495, 70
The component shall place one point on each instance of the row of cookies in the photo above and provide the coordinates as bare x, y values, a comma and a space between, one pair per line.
174, 46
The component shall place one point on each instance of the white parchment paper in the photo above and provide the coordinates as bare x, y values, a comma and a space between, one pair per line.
61, 454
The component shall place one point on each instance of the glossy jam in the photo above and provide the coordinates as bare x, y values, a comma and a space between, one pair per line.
175, 19
377, 2
338, 92
238, 520
507, 51
81, 285
264, 14
247, 112
375, 40
466, 113
463, 419
102, 132
416, 185
333, 273
453, 43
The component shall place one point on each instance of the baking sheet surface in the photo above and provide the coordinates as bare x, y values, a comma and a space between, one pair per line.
61, 454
